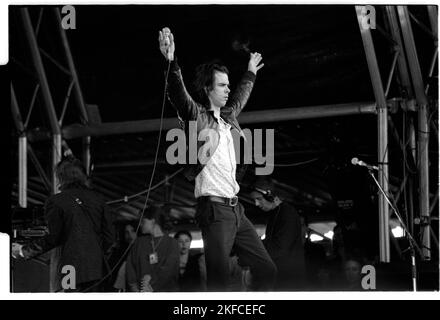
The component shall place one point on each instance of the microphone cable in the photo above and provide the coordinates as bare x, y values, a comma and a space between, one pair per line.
149, 186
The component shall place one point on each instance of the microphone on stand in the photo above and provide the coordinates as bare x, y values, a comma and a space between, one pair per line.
356, 161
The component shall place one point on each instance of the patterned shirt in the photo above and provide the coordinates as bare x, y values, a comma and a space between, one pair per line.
218, 176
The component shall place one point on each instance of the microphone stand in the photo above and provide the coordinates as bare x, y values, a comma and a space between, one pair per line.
412, 243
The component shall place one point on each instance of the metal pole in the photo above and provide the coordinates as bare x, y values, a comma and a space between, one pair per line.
390, 77
16, 115
412, 178
86, 153
66, 102
423, 127
434, 201
401, 63
32, 104
22, 171
382, 121
56, 157
271, 115
55, 62
22, 151
40, 16
76, 90
405, 83
421, 25
55, 253
36, 58
431, 68
432, 13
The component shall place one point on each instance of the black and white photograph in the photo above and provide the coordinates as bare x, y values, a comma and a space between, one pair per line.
223, 148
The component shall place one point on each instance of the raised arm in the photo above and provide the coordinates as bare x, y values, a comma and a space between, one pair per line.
243, 91
178, 95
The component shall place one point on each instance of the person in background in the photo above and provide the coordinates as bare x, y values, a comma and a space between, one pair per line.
153, 261
352, 280
192, 271
129, 236
80, 222
284, 236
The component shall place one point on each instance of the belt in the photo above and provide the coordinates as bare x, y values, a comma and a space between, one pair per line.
228, 201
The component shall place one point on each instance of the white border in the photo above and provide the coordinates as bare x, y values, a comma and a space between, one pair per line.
4, 239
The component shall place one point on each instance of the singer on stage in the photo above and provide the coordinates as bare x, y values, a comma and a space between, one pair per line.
219, 214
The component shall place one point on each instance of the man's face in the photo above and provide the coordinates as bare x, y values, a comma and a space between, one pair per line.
184, 243
352, 271
219, 93
147, 226
129, 233
260, 202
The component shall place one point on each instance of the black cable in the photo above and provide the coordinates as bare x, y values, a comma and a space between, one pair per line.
295, 164
149, 186
126, 198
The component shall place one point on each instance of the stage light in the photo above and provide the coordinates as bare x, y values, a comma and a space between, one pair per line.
398, 232
329, 234
263, 236
315, 238
197, 244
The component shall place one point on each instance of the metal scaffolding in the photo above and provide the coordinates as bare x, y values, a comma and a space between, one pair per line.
55, 134
423, 126
382, 126
405, 69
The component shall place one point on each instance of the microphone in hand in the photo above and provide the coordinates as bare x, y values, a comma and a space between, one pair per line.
166, 37
166, 43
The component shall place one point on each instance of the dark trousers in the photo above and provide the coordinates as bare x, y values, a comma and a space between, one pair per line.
225, 228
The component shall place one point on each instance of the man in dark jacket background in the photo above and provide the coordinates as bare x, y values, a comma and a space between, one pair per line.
284, 236
81, 224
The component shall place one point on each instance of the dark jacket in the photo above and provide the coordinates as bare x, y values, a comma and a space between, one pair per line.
191, 279
82, 244
190, 110
284, 241
164, 274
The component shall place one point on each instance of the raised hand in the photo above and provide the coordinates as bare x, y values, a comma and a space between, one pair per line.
254, 62
166, 43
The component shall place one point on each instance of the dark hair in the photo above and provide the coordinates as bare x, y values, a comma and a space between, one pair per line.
204, 78
180, 232
71, 173
159, 214
266, 187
